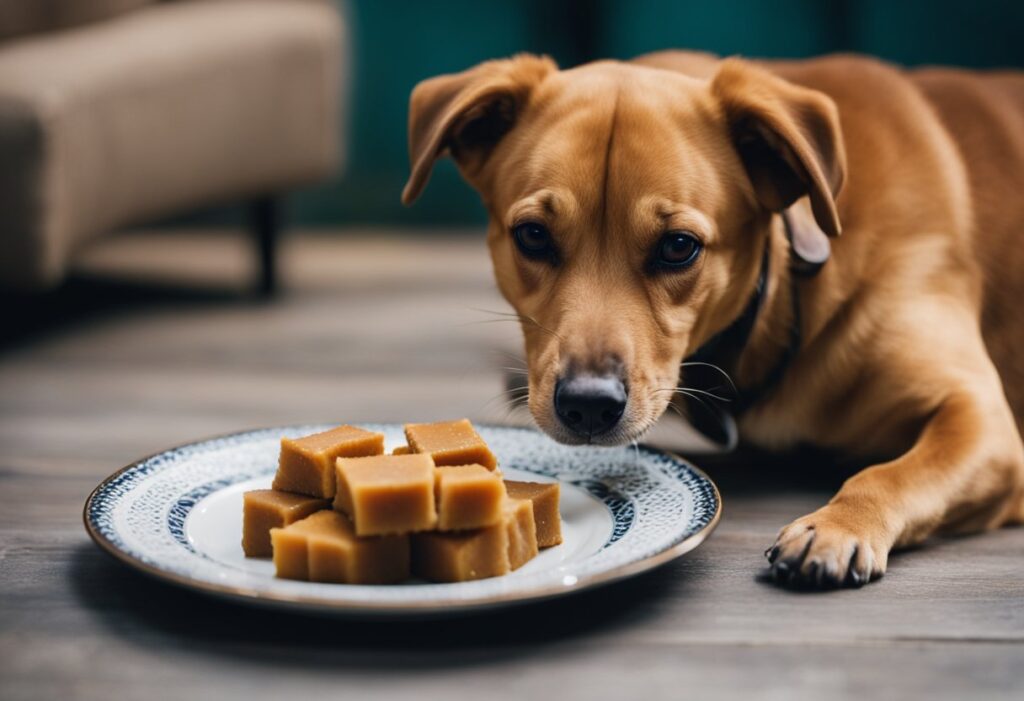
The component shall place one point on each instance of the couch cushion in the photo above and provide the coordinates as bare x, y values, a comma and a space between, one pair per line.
176, 106
20, 17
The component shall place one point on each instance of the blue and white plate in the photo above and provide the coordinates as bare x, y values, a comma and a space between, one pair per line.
178, 516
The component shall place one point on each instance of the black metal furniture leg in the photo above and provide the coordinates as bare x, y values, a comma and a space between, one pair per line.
267, 221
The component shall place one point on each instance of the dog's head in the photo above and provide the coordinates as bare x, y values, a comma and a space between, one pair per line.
629, 209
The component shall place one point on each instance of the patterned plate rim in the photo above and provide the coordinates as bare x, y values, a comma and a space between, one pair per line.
275, 599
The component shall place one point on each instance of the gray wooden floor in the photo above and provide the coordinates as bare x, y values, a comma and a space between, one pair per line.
377, 327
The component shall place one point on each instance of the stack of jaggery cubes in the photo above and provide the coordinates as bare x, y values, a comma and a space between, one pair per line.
436, 508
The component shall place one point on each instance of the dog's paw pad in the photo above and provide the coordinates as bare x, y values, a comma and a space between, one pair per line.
820, 551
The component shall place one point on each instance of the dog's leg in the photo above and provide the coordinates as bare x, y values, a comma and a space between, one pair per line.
963, 474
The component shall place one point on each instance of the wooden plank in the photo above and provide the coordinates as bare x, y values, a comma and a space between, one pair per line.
702, 623
369, 332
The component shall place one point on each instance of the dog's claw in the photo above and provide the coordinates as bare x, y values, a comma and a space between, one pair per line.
825, 551
814, 573
780, 571
829, 581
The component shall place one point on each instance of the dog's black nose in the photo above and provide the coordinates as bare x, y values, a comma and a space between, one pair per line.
589, 405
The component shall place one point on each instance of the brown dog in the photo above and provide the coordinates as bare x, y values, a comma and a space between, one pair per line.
680, 206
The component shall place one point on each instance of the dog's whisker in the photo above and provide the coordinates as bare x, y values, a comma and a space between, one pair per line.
477, 322
701, 363
510, 394
518, 403
513, 316
522, 320
695, 397
495, 312
543, 328
513, 406
640, 433
507, 412
706, 393
693, 390
521, 397
510, 356
676, 409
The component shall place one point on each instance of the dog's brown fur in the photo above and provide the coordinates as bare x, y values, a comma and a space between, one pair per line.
911, 333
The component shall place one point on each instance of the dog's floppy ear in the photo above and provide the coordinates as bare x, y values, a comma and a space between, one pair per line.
467, 113
789, 140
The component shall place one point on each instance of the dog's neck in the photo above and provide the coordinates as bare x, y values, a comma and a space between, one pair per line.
756, 349
776, 334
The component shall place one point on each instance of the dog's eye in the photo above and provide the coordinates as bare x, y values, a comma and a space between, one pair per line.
676, 250
534, 241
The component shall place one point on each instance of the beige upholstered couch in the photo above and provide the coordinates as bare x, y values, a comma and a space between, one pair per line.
117, 112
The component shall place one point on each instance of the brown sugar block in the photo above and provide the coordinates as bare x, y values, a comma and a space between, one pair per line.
401, 450
387, 493
450, 443
461, 556
264, 509
337, 554
291, 555
306, 465
522, 532
468, 497
545, 496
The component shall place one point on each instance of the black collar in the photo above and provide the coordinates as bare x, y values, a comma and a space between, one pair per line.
704, 368
734, 337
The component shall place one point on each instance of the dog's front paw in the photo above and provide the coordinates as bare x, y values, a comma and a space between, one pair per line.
830, 548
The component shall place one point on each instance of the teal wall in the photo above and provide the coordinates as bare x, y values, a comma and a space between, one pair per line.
397, 43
